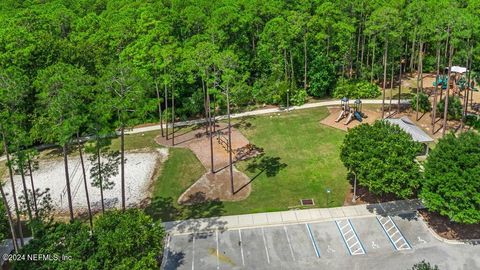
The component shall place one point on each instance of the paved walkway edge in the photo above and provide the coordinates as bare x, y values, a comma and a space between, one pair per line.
258, 112
291, 217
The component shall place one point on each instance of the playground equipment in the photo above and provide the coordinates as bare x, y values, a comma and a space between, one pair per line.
350, 112
442, 81
356, 112
345, 109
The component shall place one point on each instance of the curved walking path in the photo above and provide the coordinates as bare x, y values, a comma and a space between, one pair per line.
259, 112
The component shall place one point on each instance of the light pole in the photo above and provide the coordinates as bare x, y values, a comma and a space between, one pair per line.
288, 99
328, 194
354, 188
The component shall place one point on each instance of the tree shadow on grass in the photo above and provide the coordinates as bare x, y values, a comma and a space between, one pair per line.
271, 166
194, 211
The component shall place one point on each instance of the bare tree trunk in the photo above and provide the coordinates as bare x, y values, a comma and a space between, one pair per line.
159, 108
82, 163
15, 201
399, 85
230, 143
165, 92
373, 59
25, 190
122, 163
391, 88
385, 53
67, 179
210, 133
445, 113
173, 118
10, 220
286, 64
305, 61
412, 54
434, 108
34, 194
465, 94
292, 77
419, 75
207, 121
99, 166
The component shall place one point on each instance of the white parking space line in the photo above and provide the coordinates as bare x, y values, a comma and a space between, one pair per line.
350, 237
218, 255
265, 244
193, 251
241, 246
289, 244
317, 252
393, 233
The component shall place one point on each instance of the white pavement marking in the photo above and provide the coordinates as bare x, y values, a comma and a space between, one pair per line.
241, 246
193, 252
265, 244
288, 240
348, 233
317, 252
392, 231
218, 255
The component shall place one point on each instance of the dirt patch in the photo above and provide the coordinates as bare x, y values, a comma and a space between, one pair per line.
448, 229
365, 197
215, 185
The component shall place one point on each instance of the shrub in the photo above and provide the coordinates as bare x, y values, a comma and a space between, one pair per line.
454, 108
321, 76
383, 157
361, 89
424, 104
452, 171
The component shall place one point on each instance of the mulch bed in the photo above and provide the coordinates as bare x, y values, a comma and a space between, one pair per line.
448, 229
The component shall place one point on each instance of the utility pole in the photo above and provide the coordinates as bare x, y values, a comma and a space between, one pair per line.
230, 142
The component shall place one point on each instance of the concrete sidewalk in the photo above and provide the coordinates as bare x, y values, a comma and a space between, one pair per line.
259, 112
292, 217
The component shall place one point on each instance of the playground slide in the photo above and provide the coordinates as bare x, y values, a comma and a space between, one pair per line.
342, 115
349, 118
358, 116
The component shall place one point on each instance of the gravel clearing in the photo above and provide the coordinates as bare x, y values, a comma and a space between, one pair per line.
139, 169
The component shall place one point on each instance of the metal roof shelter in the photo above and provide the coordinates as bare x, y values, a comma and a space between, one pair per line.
408, 126
417, 133
457, 69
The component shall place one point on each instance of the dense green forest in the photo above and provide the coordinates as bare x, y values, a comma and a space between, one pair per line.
183, 47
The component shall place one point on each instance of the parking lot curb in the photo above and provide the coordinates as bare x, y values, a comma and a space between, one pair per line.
448, 241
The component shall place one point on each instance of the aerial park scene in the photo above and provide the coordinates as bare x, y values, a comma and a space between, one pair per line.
239, 134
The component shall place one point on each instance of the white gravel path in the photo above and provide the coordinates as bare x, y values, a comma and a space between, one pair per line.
139, 169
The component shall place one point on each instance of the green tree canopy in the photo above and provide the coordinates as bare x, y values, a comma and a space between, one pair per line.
383, 157
452, 172
120, 240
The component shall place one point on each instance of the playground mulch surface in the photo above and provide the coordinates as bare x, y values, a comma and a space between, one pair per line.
371, 116
448, 229
215, 186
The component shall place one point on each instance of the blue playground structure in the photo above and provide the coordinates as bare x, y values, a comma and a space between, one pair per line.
442, 81
350, 112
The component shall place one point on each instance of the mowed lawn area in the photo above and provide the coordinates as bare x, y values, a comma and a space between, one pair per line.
304, 160
301, 160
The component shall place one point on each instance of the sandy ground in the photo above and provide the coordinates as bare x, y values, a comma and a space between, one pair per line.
139, 169
215, 186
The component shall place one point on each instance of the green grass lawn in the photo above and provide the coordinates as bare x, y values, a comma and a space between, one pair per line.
304, 155
301, 158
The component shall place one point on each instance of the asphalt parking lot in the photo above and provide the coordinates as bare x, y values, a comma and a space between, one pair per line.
381, 242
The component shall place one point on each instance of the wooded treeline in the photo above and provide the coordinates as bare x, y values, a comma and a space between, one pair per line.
300, 46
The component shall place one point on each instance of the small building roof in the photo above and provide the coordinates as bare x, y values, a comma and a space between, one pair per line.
408, 126
457, 69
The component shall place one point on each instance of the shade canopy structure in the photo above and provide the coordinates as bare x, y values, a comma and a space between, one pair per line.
457, 69
408, 126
